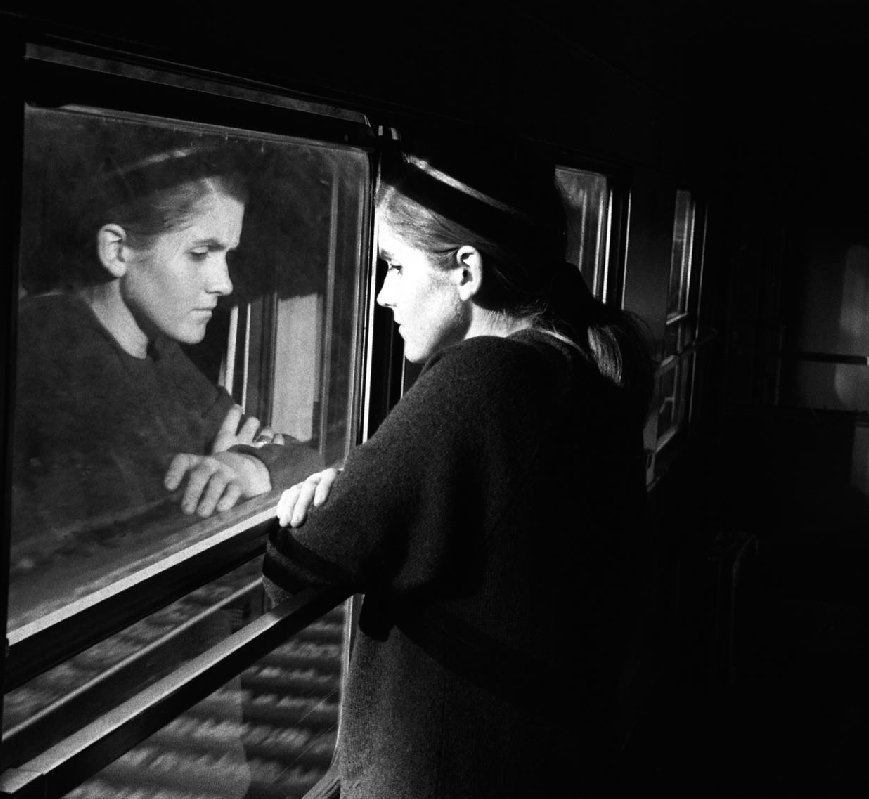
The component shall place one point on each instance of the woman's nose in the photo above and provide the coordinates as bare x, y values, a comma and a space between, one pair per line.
219, 281
384, 296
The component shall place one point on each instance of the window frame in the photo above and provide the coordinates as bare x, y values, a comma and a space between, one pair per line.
689, 356
611, 288
50, 74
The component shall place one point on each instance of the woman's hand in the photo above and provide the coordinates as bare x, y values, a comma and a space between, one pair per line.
250, 432
295, 502
216, 482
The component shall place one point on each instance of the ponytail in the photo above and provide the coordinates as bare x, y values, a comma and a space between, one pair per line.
614, 340
506, 204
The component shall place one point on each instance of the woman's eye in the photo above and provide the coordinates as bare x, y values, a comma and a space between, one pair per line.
393, 267
199, 254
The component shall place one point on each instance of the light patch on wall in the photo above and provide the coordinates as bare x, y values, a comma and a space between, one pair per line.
852, 385
854, 317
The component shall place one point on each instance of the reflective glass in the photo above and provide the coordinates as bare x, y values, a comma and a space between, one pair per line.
269, 732
668, 399
63, 699
673, 335
587, 198
169, 272
681, 256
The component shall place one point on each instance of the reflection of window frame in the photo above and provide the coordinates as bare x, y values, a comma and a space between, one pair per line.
257, 356
604, 272
683, 349
156, 93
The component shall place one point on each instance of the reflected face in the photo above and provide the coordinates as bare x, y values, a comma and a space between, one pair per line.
172, 287
422, 297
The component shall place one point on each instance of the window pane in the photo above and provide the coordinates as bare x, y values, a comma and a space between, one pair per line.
680, 260
674, 332
63, 699
686, 387
588, 220
146, 309
269, 732
668, 399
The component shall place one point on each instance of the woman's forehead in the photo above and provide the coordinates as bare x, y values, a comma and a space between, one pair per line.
387, 241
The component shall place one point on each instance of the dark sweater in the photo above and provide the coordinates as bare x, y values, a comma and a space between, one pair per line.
492, 524
96, 428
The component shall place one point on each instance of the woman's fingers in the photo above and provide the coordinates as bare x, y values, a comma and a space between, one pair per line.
295, 502
321, 493
226, 435
286, 505
197, 480
304, 500
214, 488
230, 497
248, 430
212, 484
179, 466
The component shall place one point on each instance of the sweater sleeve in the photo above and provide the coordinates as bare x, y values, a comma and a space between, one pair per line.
287, 463
399, 511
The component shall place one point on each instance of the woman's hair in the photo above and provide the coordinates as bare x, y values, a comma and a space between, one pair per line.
148, 195
506, 204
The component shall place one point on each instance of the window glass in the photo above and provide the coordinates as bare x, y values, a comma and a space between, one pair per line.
587, 197
675, 385
167, 273
269, 731
65, 698
687, 381
674, 332
668, 399
680, 261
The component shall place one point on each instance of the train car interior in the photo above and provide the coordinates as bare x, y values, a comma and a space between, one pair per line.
713, 159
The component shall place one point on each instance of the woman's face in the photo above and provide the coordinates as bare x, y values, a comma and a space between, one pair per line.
423, 298
172, 287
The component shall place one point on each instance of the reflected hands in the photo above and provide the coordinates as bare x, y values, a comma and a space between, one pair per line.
295, 502
250, 432
216, 482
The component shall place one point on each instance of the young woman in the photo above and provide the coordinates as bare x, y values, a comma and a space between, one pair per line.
111, 416
493, 522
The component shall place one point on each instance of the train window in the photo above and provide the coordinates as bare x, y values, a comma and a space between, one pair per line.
96, 426
675, 378
681, 254
270, 731
184, 289
589, 207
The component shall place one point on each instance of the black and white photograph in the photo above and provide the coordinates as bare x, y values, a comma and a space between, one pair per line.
465, 401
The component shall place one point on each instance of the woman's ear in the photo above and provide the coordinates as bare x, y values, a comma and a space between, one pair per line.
468, 272
112, 249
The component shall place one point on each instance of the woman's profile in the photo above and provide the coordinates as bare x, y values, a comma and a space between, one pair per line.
494, 522
111, 414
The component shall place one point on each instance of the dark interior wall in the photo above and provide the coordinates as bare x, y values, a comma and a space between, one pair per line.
456, 63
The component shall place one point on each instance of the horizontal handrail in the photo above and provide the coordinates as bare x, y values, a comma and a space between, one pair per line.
80, 756
34, 648
826, 357
70, 710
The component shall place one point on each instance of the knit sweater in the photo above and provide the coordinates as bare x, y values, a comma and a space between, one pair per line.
96, 428
492, 524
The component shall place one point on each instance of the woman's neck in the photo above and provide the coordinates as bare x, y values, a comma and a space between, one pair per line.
113, 314
494, 323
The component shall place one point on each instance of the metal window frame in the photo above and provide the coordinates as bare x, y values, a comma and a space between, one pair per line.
80, 756
269, 111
